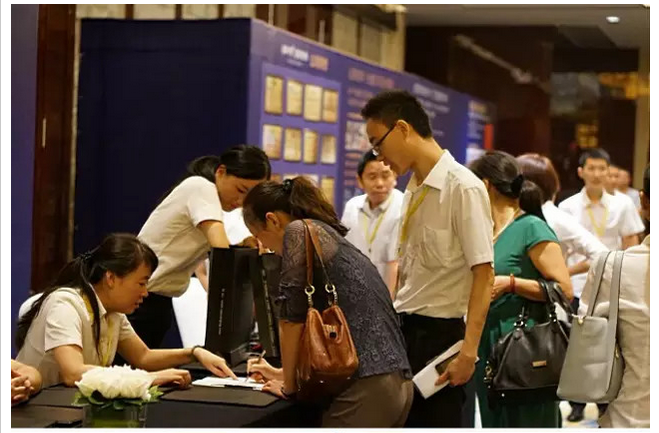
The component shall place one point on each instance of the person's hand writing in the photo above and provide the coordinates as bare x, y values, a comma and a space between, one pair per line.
262, 371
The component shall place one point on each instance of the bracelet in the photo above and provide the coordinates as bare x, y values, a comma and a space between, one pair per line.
512, 283
195, 347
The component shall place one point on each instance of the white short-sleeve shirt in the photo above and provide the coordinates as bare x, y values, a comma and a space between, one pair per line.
380, 223
621, 220
634, 195
450, 232
572, 236
631, 408
171, 231
63, 320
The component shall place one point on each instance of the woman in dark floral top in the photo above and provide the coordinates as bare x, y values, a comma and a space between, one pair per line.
381, 395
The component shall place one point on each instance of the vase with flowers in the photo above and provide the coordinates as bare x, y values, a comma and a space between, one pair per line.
115, 396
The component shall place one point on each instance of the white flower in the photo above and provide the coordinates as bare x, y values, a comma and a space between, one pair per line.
116, 382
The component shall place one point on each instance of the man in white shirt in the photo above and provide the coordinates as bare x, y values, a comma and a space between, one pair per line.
624, 182
611, 185
631, 407
446, 253
608, 217
373, 217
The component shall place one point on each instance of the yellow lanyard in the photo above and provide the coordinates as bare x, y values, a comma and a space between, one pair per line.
411, 209
600, 229
105, 354
370, 238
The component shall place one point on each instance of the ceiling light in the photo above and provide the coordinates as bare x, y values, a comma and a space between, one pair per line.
613, 19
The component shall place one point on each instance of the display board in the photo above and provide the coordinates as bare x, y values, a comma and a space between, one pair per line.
320, 91
154, 95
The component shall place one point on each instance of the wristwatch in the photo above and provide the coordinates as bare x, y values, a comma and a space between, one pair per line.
195, 347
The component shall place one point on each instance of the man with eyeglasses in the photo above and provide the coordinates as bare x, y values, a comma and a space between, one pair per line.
445, 254
374, 216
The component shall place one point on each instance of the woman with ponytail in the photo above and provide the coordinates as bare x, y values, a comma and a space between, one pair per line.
381, 395
525, 250
80, 321
187, 223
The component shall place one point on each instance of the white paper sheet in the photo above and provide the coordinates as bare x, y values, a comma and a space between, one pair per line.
221, 382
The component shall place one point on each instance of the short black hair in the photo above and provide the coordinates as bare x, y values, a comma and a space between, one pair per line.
390, 106
595, 153
646, 181
368, 157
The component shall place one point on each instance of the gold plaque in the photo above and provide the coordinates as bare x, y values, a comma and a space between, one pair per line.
271, 141
330, 105
294, 97
313, 102
327, 187
274, 91
310, 146
328, 150
292, 144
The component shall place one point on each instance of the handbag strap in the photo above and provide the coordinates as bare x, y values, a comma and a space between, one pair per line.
312, 244
599, 273
309, 253
614, 300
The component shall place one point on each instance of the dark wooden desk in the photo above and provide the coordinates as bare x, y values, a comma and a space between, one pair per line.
52, 407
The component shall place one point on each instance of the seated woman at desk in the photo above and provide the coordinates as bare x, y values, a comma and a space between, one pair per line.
80, 321
25, 382
381, 395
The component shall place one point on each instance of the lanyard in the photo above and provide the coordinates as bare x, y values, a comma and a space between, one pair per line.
370, 238
104, 355
600, 228
412, 208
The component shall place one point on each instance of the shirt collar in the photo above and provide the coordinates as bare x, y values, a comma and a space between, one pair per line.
101, 308
605, 200
382, 207
437, 176
646, 241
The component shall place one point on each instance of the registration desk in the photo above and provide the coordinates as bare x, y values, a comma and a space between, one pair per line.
192, 408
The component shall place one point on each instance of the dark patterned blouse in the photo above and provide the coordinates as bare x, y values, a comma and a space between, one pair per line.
363, 297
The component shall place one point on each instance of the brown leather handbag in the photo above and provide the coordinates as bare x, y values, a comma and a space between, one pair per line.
327, 356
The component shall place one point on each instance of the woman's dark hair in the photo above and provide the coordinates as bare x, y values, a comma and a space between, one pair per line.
297, 197
503, 172
119, 253
540, 170
646, 181
243, 161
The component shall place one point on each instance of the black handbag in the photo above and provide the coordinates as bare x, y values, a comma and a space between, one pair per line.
525, 364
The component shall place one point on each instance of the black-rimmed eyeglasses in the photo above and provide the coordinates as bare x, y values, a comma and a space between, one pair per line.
376, 146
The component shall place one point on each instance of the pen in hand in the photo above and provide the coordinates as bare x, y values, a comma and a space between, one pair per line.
258, 361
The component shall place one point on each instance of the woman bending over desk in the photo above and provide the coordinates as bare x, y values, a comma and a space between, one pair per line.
80, 321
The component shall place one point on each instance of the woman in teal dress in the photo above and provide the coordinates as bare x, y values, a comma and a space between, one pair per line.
525, 249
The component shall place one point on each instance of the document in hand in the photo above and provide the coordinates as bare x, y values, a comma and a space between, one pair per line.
424, 381
222, 382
